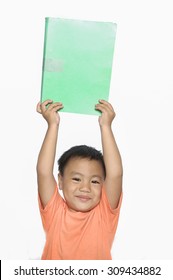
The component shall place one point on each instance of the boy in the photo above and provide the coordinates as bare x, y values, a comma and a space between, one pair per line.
82, 225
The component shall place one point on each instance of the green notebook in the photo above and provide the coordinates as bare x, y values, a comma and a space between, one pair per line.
77, 63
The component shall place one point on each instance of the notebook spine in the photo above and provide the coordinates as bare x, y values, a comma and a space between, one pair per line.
44, 54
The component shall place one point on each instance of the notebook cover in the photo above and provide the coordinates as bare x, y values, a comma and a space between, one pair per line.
77, 63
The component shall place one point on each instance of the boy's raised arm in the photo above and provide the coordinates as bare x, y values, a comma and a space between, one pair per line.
46, 158
112, 158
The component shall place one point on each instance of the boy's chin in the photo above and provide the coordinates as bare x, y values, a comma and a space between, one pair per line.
80, 209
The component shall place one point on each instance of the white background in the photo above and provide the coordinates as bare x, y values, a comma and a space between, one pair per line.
141, 93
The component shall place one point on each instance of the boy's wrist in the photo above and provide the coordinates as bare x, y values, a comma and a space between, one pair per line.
105, 126
54, 126
106, 130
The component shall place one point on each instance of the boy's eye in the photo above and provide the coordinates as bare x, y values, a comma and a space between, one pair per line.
95, 182
76, 179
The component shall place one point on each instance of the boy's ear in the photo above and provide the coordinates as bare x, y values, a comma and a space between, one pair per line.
60, 181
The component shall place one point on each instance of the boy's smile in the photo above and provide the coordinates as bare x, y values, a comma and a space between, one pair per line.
82, 183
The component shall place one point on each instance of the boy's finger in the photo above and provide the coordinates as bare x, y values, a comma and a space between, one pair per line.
38, 109
57, 108
44, 104
106, 103
54, 105
105, 109
101, 107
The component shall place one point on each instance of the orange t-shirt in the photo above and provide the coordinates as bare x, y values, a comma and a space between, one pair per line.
78, 235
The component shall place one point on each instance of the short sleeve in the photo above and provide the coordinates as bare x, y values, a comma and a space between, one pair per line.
109, 215
49, 211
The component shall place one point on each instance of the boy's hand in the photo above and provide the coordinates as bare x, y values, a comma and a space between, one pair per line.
50, 113
108, 113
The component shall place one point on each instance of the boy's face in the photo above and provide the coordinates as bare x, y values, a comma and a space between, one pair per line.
82, 183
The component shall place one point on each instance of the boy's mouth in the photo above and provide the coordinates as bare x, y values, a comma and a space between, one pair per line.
83, 198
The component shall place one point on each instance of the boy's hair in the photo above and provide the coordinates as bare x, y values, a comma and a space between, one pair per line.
81, 151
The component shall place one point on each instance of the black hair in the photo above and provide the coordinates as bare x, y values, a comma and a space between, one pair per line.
81, 151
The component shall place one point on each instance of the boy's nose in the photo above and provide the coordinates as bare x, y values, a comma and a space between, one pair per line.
85, 187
